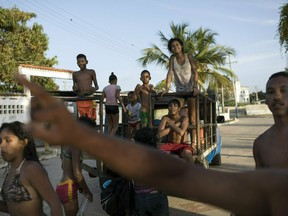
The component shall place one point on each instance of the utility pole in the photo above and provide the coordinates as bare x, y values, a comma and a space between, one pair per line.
234, 86
256, 94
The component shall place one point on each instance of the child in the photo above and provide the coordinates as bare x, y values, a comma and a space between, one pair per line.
174, 127
133, 111
112, 94
82, 86
72, 178
26, 182
149, 201
143, 92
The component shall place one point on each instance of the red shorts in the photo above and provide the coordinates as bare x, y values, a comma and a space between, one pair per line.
67, 191
176, 148
86, 108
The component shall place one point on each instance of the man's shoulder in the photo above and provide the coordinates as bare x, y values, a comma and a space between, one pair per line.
264, 138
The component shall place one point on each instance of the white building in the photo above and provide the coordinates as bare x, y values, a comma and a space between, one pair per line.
242, 93
16, 107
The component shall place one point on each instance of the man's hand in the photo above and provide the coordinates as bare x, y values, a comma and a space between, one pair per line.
50, 119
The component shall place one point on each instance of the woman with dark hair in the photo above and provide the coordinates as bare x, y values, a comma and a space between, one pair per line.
26, 182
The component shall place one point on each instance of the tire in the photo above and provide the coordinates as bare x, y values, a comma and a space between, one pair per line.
216, 161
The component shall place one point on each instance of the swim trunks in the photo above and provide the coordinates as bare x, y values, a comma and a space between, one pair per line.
144, 116
67, 191
176, 148
87, 108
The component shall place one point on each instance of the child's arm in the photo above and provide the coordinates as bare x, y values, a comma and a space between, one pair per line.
74, 82
120, 100
103, 96
162, 129
40, 182
95, 80
169, 74
194, 71
179, 128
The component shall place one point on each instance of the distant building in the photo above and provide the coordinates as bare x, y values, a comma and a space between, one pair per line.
244, 95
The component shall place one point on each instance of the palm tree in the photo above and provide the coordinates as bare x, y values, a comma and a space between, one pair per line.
283, 26
210, 57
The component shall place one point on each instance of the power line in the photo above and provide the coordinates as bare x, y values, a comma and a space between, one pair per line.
95, 27
61, 22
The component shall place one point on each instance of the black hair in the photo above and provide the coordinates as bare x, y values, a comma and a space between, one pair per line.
17, 128
146, 136
112, 77
87, 121
81, 56
171, 41
130, 93
174, 101
281, 73
145, 71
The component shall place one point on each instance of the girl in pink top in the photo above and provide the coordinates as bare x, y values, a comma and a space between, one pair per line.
112, 94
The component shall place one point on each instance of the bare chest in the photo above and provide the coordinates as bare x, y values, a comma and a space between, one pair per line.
275, 154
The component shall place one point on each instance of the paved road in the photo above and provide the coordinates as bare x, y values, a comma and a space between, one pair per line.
236, 156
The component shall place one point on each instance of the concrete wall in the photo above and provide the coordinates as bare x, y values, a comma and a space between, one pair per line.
257, 109
14, 108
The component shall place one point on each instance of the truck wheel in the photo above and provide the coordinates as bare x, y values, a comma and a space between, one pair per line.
216, 161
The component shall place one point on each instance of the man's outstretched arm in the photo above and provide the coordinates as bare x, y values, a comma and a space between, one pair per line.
250, 193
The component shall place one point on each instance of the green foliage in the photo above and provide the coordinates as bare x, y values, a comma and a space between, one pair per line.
21, 44
210, 56
283, 27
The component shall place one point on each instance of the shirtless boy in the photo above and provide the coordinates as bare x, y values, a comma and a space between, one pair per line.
82, 86
82, 79
143, 92
270, 148
174, 127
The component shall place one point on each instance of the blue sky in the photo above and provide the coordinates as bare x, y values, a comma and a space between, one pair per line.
113, 33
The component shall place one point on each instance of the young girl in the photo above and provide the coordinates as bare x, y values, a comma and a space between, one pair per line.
72, 178
133, 111
112, 94
184, 69
26, 183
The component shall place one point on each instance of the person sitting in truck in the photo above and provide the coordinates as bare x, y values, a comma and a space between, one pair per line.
174, 128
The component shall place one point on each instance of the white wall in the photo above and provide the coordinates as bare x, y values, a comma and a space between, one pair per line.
14, 108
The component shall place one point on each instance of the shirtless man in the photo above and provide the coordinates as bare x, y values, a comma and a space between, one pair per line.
142, 91
270, 148
260, 192
174, 127
82, 86
82, 79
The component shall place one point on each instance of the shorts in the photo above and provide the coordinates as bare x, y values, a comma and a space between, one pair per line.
144, 116
111, 110
134, 124
87, 108
67, 191
176, 148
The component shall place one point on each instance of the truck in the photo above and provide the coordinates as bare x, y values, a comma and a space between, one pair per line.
208, 137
